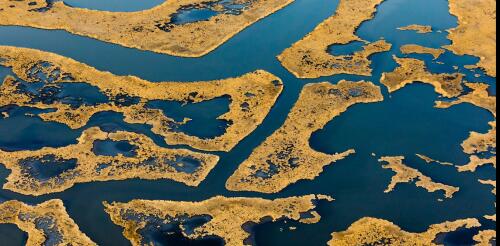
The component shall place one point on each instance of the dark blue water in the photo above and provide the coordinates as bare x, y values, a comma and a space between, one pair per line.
346, 49
13, 234
190, 14
203, 114
72, 94
406, 123
21, 132
4, 72
157, 233
114, 148
193, 15
78, 94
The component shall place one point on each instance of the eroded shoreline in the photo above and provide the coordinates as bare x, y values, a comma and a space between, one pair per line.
221, 217
286, 157
153, 29
309, 58
252, 97
46, 224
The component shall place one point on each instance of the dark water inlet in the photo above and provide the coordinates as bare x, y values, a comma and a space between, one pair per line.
346, 49
22, 132
160, 233
113, 148
461, 236
78, 94
203, 116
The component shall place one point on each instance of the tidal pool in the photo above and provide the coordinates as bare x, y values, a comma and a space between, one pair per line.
191, 14
205, 113
405, 123
114, 148
346, 49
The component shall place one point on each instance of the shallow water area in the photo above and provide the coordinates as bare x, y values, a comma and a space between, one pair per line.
190, 14
405, 123
184, 164
193, 15
46, 167
157, 232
